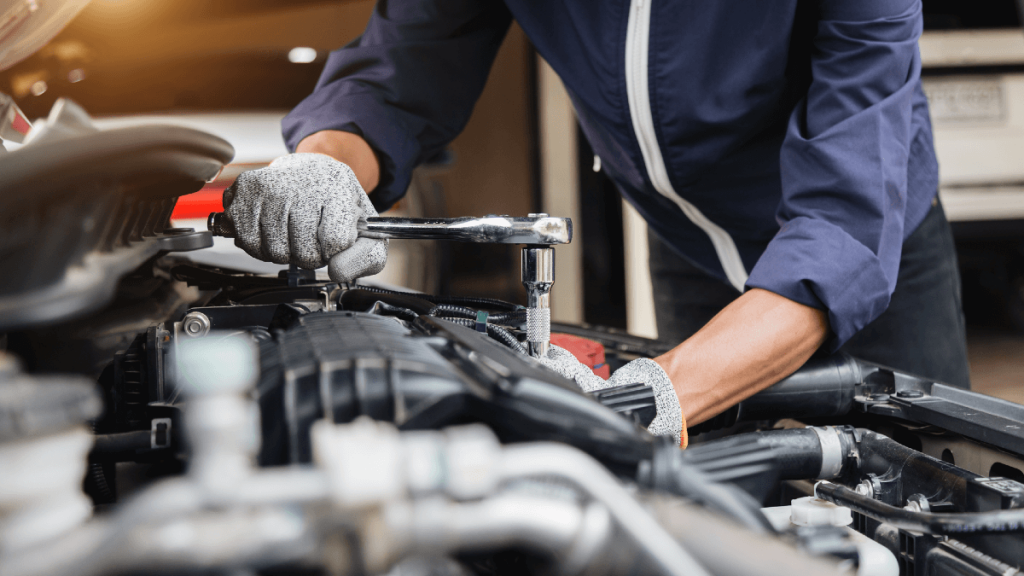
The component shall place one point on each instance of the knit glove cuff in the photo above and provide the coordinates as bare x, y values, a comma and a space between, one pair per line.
669, 420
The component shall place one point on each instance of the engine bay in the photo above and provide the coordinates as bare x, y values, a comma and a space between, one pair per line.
163, 416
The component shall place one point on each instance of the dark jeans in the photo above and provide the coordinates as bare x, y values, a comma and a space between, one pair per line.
922, 331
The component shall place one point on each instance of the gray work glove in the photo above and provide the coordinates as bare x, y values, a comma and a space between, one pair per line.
303, 210
669, 420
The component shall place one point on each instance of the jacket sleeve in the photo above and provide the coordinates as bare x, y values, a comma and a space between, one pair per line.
844, 166
407, 85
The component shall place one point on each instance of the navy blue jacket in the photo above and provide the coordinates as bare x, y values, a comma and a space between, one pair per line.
783, 145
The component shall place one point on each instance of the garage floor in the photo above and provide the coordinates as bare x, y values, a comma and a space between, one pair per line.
997, 362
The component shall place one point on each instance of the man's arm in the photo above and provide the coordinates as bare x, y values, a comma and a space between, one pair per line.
832, 267
754, 342
406, 87
348, 148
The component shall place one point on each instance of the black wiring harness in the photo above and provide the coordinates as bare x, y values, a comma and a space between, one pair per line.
496, 318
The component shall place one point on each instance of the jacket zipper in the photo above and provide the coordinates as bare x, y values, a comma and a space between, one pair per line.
638, 31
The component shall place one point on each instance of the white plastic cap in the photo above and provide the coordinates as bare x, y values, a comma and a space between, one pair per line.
811, 511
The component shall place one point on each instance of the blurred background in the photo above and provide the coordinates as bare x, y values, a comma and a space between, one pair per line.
235, 67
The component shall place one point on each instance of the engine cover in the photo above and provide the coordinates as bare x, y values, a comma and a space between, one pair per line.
340, 365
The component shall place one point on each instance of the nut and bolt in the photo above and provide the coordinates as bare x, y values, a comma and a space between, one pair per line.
864, 489
196, 325
869, 487
917, 503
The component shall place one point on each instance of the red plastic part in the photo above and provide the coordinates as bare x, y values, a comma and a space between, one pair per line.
200, 204
20, 124
587, 351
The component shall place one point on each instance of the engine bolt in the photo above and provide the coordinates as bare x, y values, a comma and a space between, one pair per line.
196, 324
864, 489
917, 503
869, 487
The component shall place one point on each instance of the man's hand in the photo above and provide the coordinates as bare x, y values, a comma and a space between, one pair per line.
303, 209
753, 343
669, 420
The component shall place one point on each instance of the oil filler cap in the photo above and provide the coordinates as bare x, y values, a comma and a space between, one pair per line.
811, 511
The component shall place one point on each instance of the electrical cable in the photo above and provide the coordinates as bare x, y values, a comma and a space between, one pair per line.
517, 317
471, 301
453, 311
469, 318
496, 332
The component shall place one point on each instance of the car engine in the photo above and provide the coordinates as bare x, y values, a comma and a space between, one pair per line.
159, 416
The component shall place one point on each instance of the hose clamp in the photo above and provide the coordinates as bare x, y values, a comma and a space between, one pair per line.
831, 452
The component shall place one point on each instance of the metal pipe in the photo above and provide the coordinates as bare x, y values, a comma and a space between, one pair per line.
550, 459
100, 544
438, 526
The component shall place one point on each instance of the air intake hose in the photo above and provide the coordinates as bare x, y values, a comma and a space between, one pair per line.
822, 388
756, 461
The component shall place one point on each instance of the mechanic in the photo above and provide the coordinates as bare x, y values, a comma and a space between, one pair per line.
781, 153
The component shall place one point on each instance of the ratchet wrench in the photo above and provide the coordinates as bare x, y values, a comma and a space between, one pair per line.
537, 229
539, 232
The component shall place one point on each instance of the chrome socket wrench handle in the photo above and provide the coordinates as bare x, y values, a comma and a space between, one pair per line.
534, 229
538, 277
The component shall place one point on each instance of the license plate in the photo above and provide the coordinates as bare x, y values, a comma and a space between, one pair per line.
965, 100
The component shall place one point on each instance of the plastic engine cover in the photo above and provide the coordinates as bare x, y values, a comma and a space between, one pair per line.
342, 365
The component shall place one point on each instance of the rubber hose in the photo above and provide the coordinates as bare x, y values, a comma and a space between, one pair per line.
725, 498
996, 522
796, 452
122, 443
821, 388
668, 470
